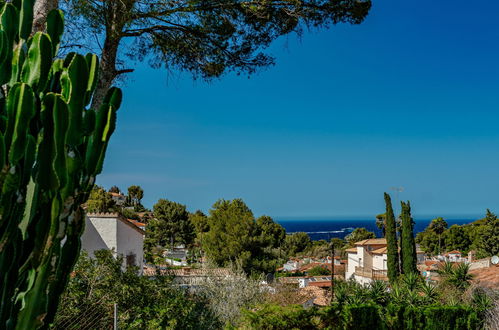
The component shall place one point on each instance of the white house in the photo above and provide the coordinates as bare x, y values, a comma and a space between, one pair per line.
367, 261
113, 232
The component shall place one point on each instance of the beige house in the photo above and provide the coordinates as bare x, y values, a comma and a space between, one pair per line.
367, 261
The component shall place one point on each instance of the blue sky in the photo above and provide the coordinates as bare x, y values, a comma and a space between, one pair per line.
408, 98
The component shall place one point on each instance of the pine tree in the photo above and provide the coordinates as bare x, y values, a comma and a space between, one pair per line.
408, 245
391, 239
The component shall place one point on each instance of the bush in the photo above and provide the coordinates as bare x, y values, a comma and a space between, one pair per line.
450, 317
143, 302
318, 270
273, 317
362, 316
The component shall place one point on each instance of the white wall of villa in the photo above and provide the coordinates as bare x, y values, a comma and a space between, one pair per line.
368, 260
112, 232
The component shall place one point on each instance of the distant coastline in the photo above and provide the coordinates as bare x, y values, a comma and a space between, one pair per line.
326, 229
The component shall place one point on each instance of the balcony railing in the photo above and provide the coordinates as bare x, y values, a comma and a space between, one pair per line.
375, 274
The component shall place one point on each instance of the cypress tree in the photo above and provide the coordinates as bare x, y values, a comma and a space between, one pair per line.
408, 245
391, 240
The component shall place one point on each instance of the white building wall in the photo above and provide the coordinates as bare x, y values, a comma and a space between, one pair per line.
352, 262
99, 233
130, 241
360, 256
378, 261
107, 231
362, 280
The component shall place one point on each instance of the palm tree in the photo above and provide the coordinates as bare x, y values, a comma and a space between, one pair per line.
438, 226
460, 277
429, 291
378, 292
445, 269
411, 281
457, 276
380, 222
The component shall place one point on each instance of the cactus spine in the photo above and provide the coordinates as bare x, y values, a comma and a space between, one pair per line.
51, 149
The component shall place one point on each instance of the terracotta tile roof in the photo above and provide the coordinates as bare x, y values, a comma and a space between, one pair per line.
321, 284
372, 241
338, 269
487, 277
382, 250
189, 272
454, 252
137, 223
351, 250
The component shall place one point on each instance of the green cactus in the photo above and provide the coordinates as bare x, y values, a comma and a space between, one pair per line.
51, 149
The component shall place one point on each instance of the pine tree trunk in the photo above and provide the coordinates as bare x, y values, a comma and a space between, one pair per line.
107, 70
40, 12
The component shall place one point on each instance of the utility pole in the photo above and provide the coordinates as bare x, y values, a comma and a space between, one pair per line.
332, 271
115, 317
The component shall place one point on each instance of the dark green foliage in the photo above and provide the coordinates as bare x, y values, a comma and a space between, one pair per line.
51, 149
200, 222
450, 318
100, 200
235, 236
272, 317
358, 309
296, 243
457, 238
134, 198
362, 317
207, 39
481, 236
359, 234
391, 240
429, 241
408, 245
438, 226
318, 270
381, 222
170, 226
487, 237
456, 275
130, 214
143, 302
115, 189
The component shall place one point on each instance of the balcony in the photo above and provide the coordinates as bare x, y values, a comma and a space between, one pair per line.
374, 274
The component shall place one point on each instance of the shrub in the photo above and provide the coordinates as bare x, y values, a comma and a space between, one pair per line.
363, 316
273, 317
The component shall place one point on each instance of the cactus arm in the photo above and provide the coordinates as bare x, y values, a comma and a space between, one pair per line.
55, 28
20, 105
26, 18
37, 65
51, 149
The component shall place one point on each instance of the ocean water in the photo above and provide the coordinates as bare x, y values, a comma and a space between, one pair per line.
327, 229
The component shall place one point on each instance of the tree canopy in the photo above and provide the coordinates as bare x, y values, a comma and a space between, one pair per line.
234, 236
481, 236
204, 38
359, 234
297, 242
170, 226
100, 201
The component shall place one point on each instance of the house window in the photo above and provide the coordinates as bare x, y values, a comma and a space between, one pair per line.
130, 260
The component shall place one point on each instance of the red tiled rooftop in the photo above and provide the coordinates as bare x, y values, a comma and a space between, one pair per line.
487, 277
